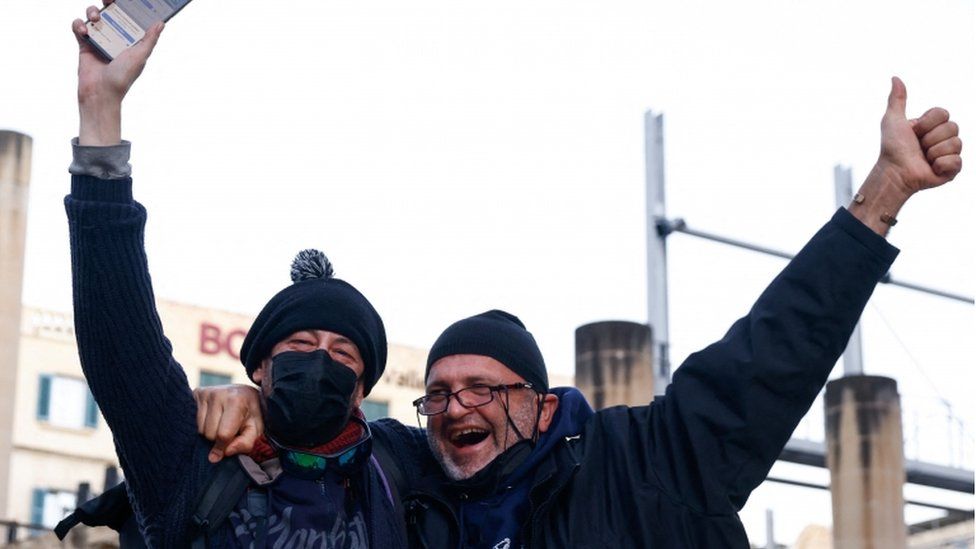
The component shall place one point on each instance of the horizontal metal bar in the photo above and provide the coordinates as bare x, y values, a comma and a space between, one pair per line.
679, 226
668, 226
799, 483
941, 293
25, 525
816, 486
807, 452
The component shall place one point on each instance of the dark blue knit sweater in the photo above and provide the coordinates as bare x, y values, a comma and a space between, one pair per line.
144, 395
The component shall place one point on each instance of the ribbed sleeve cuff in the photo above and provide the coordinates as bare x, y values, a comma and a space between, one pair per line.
94, 189
872, 241
95, 202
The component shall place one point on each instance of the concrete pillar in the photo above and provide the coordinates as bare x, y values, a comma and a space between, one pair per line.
866, 460
770, 531
15, 164
614, 363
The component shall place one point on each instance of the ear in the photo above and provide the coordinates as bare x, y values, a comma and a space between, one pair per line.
357, 395
262, 372
550, 403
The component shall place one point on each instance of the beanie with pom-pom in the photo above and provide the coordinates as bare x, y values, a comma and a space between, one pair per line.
316, 300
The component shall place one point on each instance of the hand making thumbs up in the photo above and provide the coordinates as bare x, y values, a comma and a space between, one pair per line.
916, 154
925, 150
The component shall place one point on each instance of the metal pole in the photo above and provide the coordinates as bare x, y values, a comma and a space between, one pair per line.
657, 266
770, 537
79, 535
111, 477
815, 486
853, 356
927, 290
667, 226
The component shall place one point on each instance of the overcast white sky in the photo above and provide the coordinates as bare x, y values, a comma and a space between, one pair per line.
452, 157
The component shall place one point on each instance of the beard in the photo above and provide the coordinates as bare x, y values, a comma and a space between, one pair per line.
501, 437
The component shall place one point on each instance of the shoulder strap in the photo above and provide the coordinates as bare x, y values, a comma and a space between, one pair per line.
386, 513
217, 500
110, 509
389, 472
257, 505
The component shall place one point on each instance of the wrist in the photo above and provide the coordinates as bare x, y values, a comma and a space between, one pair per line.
882, 196
100, 123
890, 179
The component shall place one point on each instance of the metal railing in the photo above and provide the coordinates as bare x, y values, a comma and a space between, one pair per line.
15, 530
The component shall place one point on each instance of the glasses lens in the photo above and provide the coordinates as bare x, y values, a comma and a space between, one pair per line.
476, 395
433, 404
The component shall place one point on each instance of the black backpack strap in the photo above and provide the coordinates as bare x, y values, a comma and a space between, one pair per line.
390, 476
225, 489
110, 509
215, 502
66, 524
257, 505
390, 473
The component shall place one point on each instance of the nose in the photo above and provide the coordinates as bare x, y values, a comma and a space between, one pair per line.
454, 408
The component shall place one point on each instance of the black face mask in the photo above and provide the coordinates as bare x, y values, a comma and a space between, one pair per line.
310, 395
487, 481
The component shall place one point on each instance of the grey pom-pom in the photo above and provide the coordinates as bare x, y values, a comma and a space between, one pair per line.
309, 265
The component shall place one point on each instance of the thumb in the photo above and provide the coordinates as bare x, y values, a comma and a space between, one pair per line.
897, 98
244, 442
217, 452
149, 40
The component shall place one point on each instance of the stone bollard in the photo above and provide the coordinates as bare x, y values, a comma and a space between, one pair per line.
865, 455
613, 363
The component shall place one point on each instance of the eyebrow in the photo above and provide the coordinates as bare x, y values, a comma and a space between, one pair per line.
465, 382
343, 340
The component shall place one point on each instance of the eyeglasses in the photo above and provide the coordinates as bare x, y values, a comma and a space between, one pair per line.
470, 397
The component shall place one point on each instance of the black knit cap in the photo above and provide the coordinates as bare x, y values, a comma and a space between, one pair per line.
498, 335
318, 301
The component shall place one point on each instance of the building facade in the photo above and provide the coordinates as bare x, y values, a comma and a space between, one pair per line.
58, 438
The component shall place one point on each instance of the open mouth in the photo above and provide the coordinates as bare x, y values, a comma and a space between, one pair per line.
468, 437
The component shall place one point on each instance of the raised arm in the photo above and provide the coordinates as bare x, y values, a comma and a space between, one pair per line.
732, 407
103, 85
141, 390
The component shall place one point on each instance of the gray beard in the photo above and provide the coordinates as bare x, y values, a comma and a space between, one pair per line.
524, 417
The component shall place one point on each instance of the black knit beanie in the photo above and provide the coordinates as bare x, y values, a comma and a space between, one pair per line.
498, 335
318, 301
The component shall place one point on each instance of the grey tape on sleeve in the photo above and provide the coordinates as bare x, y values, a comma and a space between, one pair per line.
110, 162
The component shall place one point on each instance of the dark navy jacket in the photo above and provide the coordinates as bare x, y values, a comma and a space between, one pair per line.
676, 473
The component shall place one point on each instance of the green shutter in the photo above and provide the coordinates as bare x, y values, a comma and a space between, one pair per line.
37, 506
208, 379
44, 397
374, 410
91, 412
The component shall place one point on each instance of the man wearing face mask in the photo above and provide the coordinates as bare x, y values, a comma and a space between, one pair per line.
316, 349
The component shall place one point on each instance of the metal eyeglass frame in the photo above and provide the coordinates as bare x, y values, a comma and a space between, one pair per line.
492, 389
